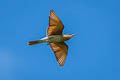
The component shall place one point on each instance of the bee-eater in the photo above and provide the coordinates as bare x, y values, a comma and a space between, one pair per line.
55, 38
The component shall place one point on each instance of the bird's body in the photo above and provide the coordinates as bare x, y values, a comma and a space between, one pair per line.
51, 39
55, 38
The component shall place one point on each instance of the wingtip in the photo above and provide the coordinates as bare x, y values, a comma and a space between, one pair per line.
61, 65
52, 11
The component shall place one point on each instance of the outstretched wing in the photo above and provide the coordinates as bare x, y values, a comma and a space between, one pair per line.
60, 50
55, 25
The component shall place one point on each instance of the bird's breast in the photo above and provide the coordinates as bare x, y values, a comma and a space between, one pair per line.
56, 38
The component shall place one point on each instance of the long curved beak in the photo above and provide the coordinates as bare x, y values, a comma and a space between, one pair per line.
74, 35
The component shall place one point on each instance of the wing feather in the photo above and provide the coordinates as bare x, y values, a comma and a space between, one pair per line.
55, 25
60, 50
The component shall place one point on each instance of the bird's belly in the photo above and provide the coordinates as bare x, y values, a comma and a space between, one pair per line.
56, 38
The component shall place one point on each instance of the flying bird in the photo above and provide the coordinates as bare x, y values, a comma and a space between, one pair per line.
55, 38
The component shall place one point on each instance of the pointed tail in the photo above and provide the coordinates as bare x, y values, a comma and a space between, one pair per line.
35, 42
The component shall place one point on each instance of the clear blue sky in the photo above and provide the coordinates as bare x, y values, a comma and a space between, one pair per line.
93, 55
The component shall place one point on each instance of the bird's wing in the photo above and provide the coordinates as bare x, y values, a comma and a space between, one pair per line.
55, 25
60, 50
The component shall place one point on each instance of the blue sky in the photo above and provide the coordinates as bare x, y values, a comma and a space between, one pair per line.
93, 54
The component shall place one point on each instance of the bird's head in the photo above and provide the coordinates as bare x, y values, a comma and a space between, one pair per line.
69, 36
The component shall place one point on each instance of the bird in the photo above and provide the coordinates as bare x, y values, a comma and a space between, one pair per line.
55, 38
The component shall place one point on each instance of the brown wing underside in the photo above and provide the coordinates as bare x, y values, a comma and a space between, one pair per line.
60, 50
55, 25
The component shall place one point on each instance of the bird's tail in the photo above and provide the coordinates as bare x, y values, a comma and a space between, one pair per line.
36, 42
